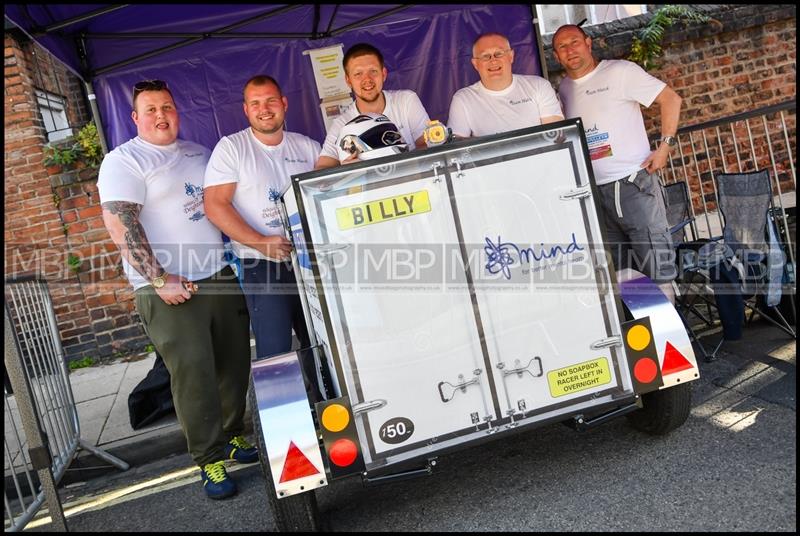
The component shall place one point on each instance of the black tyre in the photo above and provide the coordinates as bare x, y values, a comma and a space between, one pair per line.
663, 410
297, 513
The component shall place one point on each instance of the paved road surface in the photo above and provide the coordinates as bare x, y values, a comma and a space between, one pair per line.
732, 466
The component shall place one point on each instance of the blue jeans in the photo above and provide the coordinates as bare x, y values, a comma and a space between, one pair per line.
272, 298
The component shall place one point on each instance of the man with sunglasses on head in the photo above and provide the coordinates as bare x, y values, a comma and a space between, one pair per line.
365, 73
244, 180
186, 294
500, 101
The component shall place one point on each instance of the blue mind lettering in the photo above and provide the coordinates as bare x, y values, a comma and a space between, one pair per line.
500, 255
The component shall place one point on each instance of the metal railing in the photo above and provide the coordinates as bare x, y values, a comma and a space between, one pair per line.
764, 138
42, 429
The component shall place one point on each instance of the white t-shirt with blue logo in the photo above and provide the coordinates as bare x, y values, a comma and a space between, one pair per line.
404, 109
608, 100
261, 173
167, 180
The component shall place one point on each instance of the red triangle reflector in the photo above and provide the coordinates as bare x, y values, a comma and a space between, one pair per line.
296, 465
674, 361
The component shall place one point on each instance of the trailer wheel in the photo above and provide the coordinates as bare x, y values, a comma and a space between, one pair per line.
663, 410
297, 513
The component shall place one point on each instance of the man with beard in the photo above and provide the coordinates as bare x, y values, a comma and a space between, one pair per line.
365, 73
245, 177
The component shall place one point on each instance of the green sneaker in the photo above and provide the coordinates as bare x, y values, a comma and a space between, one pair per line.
216, 482
240, 450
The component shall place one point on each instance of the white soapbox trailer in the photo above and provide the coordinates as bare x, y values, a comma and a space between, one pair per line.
454, 295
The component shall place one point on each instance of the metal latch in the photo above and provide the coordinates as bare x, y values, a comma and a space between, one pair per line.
578, 193
608, 342
519, 370
363, 407
435, 167
459, 172
462, 384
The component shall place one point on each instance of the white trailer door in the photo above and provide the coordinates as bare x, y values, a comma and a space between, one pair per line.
409, 340
545, 304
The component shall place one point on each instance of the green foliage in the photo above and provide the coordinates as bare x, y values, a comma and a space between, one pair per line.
86, 149
149, 348
57, 156
646, 47
74, 263
90, 147
81, 363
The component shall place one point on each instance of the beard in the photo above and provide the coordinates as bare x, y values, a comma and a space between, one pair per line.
370, 100
268, 131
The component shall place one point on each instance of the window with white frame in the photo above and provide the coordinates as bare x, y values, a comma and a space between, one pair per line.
54, 114
552, 16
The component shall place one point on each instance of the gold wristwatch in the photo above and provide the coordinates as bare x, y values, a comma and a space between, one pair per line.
159, 281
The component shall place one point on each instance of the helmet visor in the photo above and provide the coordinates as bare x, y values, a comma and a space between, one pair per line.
382, 136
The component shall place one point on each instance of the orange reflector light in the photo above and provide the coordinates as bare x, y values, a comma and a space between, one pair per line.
335, 418
297, 465
645, 370
638, 337
343, 452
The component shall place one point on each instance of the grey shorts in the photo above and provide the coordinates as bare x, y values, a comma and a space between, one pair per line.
634, 218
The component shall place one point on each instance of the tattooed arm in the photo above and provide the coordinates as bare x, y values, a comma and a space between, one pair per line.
122, 221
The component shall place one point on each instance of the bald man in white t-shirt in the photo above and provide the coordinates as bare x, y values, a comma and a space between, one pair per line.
500, 101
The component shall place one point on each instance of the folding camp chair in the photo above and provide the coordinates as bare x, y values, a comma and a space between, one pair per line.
747, 265
679, 213
692, 287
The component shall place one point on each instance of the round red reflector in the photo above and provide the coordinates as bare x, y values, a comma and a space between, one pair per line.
645, 370
343, 452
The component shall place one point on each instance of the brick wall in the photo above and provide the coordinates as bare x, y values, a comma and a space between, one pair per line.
53, 216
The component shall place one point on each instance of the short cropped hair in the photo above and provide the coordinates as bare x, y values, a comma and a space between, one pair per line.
262, 80
488, 34
361, 49
567, 27
149, 85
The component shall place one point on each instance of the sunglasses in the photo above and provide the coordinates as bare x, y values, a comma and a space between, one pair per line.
148, 85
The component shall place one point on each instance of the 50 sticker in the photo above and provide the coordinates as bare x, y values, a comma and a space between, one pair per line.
396, 430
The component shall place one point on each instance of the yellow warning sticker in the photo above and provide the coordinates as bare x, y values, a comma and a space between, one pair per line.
580, 377
390, 208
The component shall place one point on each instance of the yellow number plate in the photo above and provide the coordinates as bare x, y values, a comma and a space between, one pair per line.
390, 208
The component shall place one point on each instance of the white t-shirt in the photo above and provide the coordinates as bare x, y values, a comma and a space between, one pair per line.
403, 107
262, 173
478, 111
167, 180
608, 99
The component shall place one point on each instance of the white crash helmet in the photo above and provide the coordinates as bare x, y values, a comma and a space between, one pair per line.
370, 136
